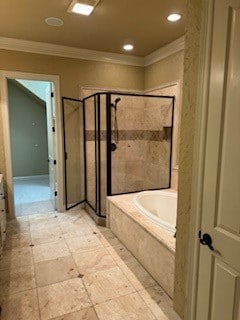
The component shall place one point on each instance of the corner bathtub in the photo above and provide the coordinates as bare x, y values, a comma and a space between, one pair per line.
159, 206
145, 223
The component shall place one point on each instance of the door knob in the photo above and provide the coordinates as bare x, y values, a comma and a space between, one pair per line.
206, 240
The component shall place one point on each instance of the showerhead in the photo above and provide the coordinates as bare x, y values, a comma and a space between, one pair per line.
114, 105
117, 100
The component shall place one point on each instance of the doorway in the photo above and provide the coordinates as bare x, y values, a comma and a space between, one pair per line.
32, 135
31, 119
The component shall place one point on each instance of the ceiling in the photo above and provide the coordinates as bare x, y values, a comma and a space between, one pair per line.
113, 23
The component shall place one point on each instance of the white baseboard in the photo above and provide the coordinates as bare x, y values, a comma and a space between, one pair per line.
42, 176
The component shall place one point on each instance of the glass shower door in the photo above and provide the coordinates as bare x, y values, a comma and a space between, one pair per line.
73, 134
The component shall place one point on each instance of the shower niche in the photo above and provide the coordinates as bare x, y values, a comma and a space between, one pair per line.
116, 143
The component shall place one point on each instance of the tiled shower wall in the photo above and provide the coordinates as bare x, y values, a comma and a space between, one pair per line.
173, 89
141, 160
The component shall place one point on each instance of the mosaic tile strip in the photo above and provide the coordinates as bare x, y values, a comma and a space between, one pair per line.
149, 135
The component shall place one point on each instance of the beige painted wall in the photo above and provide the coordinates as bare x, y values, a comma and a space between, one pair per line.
28, 129
164, 71
73, 74
191, 71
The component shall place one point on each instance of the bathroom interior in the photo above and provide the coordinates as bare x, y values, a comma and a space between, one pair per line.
143, 169
121, 135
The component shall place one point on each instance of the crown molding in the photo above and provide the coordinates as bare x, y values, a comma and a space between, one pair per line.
165, 51
68, 52
84, 54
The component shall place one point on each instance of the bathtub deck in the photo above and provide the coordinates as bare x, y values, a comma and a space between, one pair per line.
125, 204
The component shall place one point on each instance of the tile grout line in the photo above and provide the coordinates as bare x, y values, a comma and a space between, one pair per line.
66, 314
82, 281
39, 310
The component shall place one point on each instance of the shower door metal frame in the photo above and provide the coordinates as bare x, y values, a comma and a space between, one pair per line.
65, 154
97, 140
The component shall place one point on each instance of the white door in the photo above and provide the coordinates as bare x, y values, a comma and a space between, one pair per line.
219, 270
51, 142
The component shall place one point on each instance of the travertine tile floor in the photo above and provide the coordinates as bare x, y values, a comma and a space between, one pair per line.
62, 266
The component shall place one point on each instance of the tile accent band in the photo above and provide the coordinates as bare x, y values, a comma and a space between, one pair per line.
149, 135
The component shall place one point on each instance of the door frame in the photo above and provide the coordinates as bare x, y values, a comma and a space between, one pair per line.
199, 158
4, 75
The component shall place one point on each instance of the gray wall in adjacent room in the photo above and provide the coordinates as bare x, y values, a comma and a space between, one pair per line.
28, 128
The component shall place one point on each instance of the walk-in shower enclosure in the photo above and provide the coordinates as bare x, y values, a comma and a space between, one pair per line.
116, 143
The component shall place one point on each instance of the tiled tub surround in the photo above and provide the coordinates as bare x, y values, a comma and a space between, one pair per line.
152, 245
64, 267
173, 89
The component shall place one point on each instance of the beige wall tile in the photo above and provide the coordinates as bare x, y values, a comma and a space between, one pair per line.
151, 253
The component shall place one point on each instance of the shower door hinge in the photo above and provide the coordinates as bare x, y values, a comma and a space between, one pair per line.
53, 129
55, 193
52, 94
54, 161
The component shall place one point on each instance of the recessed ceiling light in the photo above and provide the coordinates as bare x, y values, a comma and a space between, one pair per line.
84, 7
174, 17
54, 22
128, 47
